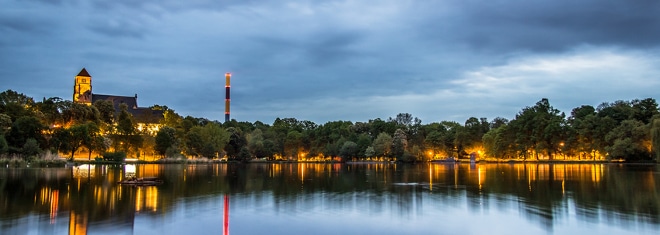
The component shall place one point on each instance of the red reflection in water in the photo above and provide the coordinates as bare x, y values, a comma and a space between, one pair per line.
225, 224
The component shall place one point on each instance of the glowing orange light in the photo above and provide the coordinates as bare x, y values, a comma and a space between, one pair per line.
54, 204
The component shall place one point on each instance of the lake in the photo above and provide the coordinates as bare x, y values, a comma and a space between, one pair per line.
353, 198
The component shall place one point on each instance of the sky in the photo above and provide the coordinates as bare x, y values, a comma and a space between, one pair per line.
332, 60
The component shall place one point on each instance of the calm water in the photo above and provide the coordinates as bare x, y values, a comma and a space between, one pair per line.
333, 199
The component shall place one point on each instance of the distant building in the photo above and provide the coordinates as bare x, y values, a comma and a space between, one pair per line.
145, 117
82, 88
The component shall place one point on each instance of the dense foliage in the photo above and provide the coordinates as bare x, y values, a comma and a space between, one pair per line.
628, 130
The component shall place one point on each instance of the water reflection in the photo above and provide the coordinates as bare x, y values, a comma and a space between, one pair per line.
225, 216
554, 198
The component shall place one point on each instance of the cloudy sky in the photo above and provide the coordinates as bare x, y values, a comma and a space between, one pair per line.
332, 60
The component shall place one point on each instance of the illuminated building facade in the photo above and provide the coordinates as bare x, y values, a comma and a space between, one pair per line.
82, 93
82, 88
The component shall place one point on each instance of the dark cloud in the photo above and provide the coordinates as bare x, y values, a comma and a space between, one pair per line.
159, 7
335, 60
18, 23
327, 49
52, 2
119, 28
547, 25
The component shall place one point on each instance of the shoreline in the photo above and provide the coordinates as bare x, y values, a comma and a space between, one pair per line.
16, 162
372, 162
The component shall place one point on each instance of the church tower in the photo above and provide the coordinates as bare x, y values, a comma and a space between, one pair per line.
82, 88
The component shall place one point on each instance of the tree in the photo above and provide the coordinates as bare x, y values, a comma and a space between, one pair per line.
349, 150
49, 109
236, 142
80, 135
100, 144
30, 148
207, 141
415, 154
473, 132
382, 145
76, 113
270, 149
405, 120
135, 142
538, 130
189, 122
106, 110
378, 126
24, 128
451, 137
10, 96
244, 155
363, 142
94, 141
5, 123
629, 141
655, 135
72, 138
583, 120
218, 138
644, 110
172, 119
434, 142
125, 123
619, 110
370, 152
293, 144
15, 104
495, 142
4, 147
126, 136
194, 141
497, 122
399, 144
333, 149
409, 124
569, 146
601, 127
165, 139
255, 144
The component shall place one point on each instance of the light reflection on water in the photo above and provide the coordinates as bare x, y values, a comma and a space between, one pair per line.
333, 199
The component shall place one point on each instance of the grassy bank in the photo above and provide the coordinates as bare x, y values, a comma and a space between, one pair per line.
51, 160
42, 160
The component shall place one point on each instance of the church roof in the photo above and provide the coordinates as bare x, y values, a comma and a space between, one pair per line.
83, 73
141, 114
130, 101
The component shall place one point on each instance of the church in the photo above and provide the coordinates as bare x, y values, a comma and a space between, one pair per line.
145, 117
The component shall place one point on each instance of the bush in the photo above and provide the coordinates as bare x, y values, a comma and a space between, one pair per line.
244, 155
48, 162
16, 161
408, 157
47, 159
31, 148
114, 156
173, 152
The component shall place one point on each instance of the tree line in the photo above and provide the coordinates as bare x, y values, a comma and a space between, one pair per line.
626, 130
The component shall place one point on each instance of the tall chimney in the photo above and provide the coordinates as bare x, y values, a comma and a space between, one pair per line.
227, 95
